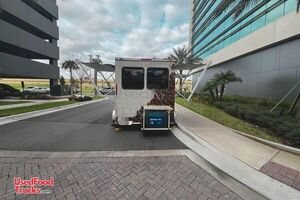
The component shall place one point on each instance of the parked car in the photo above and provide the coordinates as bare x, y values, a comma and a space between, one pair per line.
37, 90
107, 90
7, 90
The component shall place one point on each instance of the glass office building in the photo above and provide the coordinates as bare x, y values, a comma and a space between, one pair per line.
262, 46
210, 33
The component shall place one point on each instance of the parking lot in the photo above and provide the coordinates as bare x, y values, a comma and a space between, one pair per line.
85, 128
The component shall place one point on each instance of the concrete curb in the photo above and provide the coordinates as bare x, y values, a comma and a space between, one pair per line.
262, 185
269, 143
90, 154
257, 139
15, 118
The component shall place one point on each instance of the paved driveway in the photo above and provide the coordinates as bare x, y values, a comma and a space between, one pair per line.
147, 178
85, 128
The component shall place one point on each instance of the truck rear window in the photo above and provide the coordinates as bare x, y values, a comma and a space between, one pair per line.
157, 78
132, 78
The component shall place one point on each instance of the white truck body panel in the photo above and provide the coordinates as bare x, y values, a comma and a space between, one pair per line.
129, 102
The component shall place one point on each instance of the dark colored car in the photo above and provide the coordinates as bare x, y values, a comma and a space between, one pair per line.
6, 91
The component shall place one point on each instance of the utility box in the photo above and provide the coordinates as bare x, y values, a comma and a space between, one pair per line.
156, 117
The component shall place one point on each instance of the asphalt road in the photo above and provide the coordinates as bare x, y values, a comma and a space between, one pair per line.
85, 128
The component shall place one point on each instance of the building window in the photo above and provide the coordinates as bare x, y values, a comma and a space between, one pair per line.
208, 32
157, 78
132, 78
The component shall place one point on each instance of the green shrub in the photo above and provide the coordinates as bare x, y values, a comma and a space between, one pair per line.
263, 121
241, 112
265, 102
256, 111
232, 109
220, 104
252, 117
280, 129
234, 98
294, 136
203, 97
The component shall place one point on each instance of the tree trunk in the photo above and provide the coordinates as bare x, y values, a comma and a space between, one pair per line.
212, 94
222, 91
180, 82
217, 92
81, 82
95, 81
71, 84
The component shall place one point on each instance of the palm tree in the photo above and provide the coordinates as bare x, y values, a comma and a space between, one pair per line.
223, 78
216, 86
183, 56
70, 65
96, 60
209, 87
241, 6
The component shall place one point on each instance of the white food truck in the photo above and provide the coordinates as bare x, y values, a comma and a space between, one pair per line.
145, 93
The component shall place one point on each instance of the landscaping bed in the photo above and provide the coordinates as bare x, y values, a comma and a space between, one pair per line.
251, 116
25, 109
19, 110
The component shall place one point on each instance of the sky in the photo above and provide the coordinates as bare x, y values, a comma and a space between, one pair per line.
121, 28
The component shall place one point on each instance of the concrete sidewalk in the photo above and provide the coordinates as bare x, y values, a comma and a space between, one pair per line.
280, 165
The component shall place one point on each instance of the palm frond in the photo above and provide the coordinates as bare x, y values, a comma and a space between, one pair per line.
224, 6
70, 64
240, 7
226, 77
210, 85
244, 4
183, 55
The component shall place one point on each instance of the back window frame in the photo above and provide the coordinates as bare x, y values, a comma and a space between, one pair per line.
158, 68
122, 78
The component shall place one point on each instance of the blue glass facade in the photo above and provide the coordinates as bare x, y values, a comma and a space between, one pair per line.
211, 34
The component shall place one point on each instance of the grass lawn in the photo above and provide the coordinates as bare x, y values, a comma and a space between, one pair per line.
31, 84
4, 103
15, 111
225, 119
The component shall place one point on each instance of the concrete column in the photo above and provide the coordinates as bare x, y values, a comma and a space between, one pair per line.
53, 82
